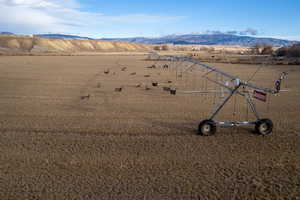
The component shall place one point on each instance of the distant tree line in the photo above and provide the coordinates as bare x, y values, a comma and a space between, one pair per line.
291, 51
257, 49
268, 49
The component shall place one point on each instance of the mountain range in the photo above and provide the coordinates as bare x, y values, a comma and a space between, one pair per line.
208, 39
64, 37
186, 39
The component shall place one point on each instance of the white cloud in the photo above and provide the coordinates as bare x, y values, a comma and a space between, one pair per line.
64, 16
30, 3
41, 3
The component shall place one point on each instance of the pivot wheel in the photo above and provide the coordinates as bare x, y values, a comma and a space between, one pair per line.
264, 126
207, 128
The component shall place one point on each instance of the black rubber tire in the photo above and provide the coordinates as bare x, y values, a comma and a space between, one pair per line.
264, 127
173, 91
207, 128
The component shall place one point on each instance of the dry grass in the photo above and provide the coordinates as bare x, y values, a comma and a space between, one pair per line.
137, 144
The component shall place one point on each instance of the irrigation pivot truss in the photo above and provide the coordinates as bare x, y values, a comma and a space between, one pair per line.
231, 85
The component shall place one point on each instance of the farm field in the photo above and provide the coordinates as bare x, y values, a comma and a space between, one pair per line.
94, 127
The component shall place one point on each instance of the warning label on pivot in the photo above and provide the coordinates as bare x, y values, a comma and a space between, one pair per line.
260, 95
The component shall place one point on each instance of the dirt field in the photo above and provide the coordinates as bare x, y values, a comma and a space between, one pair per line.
67, 134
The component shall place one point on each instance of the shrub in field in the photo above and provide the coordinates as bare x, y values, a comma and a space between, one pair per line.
157, 48
267, 50
165, 47
262, 49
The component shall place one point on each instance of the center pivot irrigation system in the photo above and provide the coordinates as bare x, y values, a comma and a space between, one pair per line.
231, 86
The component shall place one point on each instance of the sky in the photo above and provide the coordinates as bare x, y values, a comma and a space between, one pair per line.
118, 18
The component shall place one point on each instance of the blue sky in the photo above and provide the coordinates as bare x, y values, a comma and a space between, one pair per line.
116, 18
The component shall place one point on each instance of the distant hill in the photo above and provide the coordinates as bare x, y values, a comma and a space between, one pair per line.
55, 36
207, 39
186, 39
63, 37
35, 45
6, 33
192, 39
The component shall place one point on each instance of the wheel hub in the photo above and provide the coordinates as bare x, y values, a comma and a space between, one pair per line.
206, 128
264, 127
